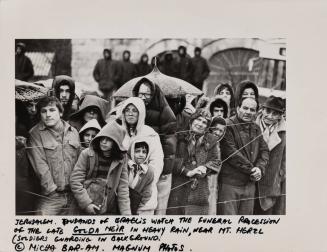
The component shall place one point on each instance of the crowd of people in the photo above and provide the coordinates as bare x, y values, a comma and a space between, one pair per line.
149, 155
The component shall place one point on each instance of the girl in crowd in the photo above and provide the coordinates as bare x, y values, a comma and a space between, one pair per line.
199, 152
88, 132
133, 117
101, 173
225, 91
92, 107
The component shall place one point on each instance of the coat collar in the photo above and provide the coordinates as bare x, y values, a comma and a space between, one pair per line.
66, 126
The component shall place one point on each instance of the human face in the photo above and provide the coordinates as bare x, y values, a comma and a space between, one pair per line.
126, 56
218, 112
249, 93
199, 125
64, 94
18, 50
88, 136
226, 95
270, 116
106, 144
50, 115
90, 113
131, 114
140, 155
219, 130
31, 108
145, 59
248, 110
145, 93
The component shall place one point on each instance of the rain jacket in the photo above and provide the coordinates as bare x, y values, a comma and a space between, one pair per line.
161, 118
272, 183
236, 170
77, 120
87, 166
23, 65
51, 157
200, 71
64, 80
143, 68
155, 156
92, 124
142, 182
128, 71
231, 105
241, 87
107, 73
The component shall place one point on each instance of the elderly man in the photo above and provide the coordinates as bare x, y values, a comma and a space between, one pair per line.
271, 188
53, 149
245, 156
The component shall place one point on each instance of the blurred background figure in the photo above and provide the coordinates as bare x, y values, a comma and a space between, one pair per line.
143, 67
23, 65
200, 69
184, 65
169, 65
128, 68
107, 74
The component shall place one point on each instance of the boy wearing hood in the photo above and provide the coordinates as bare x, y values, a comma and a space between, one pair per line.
140, 177
105, 160
92, 107
133, 115
88, 132
161, 118
64, 88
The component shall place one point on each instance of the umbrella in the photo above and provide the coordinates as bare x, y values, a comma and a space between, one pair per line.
25, 91
170, 86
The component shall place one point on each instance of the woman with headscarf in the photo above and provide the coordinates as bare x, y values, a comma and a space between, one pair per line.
225, 91
246, 89
199, 153
133, 118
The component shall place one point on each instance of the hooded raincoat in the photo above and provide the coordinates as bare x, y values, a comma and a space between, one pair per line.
92, 124
65, 80
155, 156
23, 65
117, 179
76, 119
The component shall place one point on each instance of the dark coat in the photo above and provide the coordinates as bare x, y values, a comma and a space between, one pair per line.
128, 71
206, 154
236, 170
65, 80
201, 71
76, 119
143, 68
185, 69
275, 176
87, 165
23, 67
160, 117
107, 73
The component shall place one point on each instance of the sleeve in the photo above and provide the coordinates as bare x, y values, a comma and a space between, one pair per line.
37, 157
206, 70
123, 191
263, 158
230, 153
77, 179
147, 190
213, 163
96, 72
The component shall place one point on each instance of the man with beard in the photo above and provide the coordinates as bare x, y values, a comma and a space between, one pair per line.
201, 69
23, 65
64, 90
245, 156
107, 74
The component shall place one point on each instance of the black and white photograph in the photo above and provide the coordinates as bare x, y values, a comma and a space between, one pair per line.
144, 126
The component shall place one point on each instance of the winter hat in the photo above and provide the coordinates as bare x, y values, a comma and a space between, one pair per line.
275, 103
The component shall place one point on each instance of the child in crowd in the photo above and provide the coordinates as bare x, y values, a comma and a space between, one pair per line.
140, 177
88, 132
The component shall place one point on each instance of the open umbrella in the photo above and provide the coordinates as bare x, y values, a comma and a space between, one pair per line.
25, 91
170, 86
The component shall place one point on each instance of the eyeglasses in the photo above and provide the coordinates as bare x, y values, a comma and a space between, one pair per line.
145, 95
